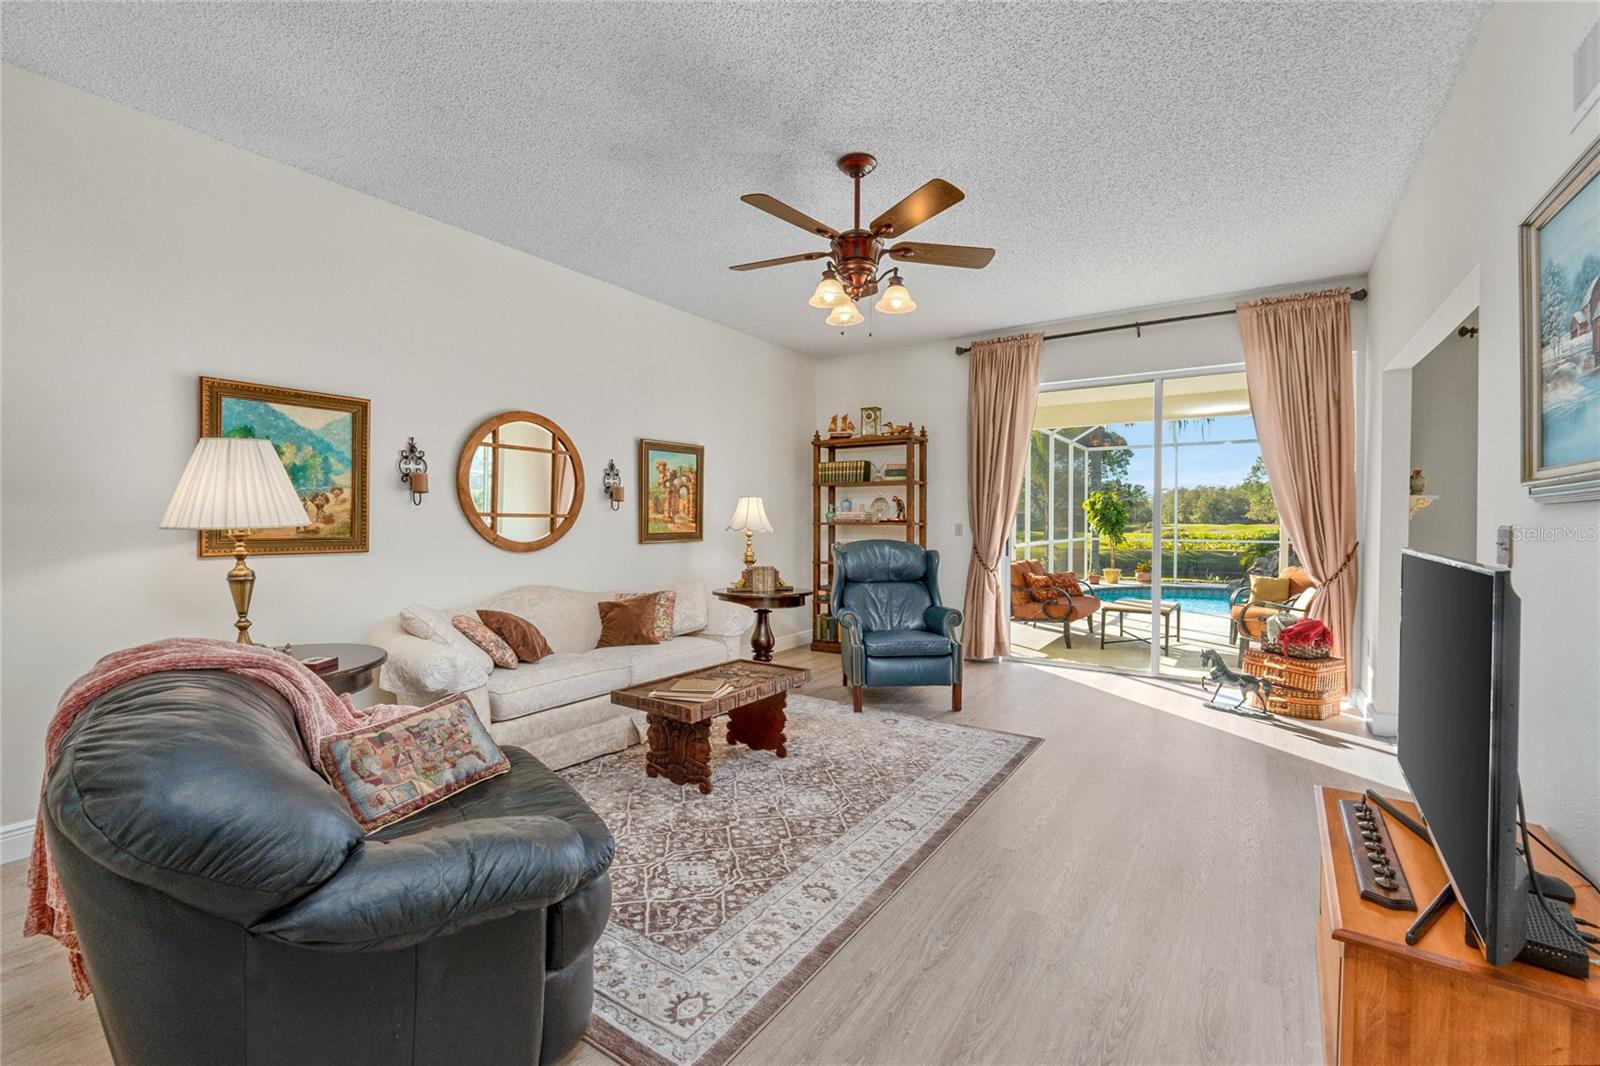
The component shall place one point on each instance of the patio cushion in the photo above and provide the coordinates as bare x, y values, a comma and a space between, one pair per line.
904, 643
1252, 619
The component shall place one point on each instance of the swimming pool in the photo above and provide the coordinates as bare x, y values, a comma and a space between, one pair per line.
1202, 599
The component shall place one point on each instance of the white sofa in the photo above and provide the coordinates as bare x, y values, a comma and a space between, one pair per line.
558, 708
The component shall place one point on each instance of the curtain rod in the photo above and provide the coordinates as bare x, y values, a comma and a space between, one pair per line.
1137, 326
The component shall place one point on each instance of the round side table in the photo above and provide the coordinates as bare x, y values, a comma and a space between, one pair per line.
357, 669
763, 603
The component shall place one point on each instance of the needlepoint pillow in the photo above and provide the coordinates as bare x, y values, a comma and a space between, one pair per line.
390, 771
522, 635
487, 639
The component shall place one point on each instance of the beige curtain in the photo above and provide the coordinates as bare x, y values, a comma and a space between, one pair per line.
1297, 360
1002, 393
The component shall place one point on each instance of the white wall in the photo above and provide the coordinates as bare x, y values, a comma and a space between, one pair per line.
1505, 137
927, 384
139, 255
1444, 444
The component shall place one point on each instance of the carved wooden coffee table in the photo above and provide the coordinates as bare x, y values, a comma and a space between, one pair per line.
680, 732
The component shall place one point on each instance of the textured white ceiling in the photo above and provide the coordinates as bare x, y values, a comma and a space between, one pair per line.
1116, 156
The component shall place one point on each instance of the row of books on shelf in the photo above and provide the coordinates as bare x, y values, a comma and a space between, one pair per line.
825, 627
854, 471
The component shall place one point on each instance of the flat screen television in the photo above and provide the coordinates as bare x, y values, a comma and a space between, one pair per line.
1458, 735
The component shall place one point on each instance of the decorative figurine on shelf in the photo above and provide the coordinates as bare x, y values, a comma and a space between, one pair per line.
833, 425
846, 426
1247, 684
1419, 482
892, 429
899, 508
839, 427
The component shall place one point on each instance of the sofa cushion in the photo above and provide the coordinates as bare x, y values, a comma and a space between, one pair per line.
690, 601
423, 621
904, 643
560, 678
567, 617
650, 661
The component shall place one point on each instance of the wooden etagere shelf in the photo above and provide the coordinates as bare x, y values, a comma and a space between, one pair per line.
825, 496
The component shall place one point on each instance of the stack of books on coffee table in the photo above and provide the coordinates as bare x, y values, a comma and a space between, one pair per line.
692, 689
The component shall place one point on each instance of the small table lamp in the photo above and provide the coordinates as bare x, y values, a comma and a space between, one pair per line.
236, 484
749, 518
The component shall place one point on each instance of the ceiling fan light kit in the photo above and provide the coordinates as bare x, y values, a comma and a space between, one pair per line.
854, 254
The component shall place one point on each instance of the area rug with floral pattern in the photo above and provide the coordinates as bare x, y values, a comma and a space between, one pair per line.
725, 905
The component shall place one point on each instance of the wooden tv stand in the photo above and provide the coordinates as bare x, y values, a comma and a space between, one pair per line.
1438, 1002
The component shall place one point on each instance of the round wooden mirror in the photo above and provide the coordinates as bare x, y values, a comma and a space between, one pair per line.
520, 481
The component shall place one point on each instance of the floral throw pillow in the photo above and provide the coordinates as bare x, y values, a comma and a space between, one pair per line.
1067, 581
393, 770
1041, 588
487, 639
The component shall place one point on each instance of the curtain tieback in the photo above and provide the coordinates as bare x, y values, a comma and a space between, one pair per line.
994, 571
1349, 558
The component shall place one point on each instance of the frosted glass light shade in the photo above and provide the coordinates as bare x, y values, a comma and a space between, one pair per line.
846, 314
829, 293
896, 301
234, 483
750, 516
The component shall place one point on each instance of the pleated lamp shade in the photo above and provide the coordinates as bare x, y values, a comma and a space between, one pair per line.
750, 516
234, 483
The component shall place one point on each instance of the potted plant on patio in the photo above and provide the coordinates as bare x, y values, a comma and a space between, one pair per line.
1141, 571
1108, 517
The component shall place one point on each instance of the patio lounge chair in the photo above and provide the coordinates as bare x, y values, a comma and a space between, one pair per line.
1248, 619
1063, 607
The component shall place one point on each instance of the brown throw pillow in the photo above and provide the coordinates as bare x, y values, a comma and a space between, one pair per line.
663, 605
624, 622
522, 635
391, 771
485, 638
1041, 588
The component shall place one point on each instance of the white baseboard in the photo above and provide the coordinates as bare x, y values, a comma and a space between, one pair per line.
1378, 724
791, 640
16, 840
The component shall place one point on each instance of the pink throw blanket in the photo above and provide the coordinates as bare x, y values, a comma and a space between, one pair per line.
317, 711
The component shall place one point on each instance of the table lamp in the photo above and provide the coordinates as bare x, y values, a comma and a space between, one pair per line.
235, 484
749, 518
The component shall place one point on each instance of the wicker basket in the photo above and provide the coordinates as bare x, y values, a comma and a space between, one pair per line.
1299, 705
1307, 678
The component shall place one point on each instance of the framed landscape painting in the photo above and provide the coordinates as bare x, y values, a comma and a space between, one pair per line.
670, 503
1560, 250
321, 440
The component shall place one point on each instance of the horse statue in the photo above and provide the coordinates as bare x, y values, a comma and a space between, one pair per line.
1248, 684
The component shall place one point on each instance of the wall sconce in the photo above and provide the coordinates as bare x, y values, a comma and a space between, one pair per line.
414, 470
611, 483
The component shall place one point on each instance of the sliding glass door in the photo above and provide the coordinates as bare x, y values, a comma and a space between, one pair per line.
1162, 578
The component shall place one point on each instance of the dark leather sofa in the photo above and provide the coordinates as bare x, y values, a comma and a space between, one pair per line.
231, 911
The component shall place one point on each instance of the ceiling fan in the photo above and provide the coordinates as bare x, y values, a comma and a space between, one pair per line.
854, 254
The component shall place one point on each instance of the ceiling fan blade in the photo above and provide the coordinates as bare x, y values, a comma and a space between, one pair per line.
793, 216
944, 255
914, 210
804, 257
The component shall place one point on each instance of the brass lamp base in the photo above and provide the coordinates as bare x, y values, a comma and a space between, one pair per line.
241, 584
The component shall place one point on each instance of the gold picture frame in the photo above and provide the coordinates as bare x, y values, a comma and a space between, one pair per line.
671, 492
322, 440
